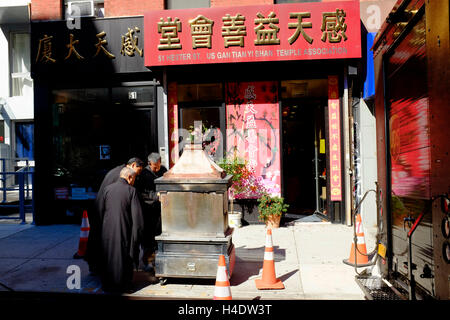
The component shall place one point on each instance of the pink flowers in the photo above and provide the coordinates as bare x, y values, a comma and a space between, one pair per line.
248, 187
245, 183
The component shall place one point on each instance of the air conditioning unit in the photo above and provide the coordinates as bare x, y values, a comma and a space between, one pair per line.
80, 9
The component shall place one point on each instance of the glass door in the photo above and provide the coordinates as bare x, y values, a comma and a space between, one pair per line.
212, 117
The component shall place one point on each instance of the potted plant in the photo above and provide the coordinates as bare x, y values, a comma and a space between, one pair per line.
271, 208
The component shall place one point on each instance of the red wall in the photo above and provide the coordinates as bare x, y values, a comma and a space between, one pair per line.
114, 8
46, 10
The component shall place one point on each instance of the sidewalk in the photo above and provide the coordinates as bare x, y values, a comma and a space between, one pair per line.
308, 259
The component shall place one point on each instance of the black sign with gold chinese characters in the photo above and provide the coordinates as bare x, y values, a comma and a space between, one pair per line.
107, 46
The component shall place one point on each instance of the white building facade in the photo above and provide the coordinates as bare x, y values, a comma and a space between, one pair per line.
16, 85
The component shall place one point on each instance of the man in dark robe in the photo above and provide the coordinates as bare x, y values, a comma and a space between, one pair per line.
151, 206
93, 253
122, 232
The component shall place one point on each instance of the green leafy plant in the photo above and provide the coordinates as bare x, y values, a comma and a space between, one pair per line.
271, 205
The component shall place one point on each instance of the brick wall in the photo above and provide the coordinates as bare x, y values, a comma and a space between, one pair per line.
231, 3
46, 10
117, 8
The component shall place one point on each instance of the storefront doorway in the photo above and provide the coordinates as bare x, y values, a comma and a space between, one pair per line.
135, 137
212, 117
202, 103
304, 153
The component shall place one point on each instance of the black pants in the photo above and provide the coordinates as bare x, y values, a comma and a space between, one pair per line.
152, 228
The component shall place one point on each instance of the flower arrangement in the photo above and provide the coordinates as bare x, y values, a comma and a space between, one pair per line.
245, 184
269, 205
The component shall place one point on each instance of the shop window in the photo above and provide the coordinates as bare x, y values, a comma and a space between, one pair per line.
200, 92
203, 102
183, 4
24, 134
21, 82
81, 122
210, 117
93, 131
293, 89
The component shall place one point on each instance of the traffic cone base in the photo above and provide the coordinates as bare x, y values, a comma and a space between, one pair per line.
361, 259
84, 234
222, 289
268, 280
261, 285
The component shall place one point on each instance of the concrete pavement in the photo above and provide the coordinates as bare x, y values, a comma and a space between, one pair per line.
308, 259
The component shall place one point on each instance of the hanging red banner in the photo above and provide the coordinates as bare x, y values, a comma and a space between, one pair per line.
280, 32
253, 129
334, 139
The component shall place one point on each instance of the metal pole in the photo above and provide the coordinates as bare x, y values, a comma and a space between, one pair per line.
32, 196
316, 167
4, 179
346, 133
22, 197
26, 179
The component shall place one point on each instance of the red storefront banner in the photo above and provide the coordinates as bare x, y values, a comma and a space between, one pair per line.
253, 129
281, 32
334, 139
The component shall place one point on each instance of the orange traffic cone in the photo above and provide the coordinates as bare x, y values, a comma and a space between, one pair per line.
269, 280
222, 290
362, 260
84, 234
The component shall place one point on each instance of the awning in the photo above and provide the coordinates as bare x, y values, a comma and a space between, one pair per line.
14, 11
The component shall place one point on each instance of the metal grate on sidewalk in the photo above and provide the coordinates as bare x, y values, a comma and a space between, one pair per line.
375, 288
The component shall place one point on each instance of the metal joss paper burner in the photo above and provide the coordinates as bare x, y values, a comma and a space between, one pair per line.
194, 218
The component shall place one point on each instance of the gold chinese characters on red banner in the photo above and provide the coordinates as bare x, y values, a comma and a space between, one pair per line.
334, 139
253, 33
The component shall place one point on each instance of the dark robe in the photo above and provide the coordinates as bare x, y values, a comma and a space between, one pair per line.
151, 206
122, 232
93, 252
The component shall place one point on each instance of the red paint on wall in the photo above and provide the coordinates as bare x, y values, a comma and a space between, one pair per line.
118, 8
46, 10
